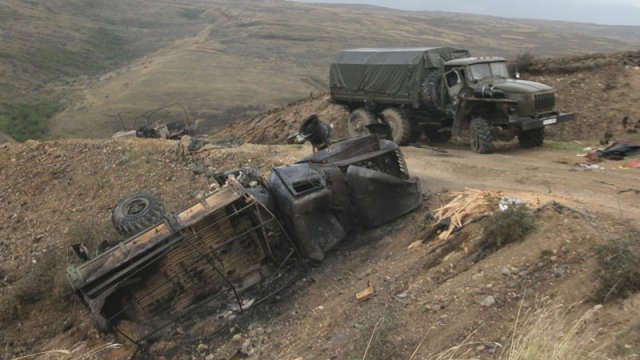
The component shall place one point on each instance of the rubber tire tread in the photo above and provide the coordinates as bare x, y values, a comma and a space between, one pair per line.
404, 130
480, 132
129, 225
367, 118
531, 138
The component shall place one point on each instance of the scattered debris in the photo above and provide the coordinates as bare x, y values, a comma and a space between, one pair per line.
616, 151
506, 202
591, 166
634, 164
367, 293
488, 301
466, 208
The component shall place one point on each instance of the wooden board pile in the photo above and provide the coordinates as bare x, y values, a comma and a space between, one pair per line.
465, 208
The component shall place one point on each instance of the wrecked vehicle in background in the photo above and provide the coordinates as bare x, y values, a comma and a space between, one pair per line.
245, 241
161, 123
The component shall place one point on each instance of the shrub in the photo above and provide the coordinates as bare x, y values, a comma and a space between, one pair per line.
618, 267
509, 226
524, 61
24, 121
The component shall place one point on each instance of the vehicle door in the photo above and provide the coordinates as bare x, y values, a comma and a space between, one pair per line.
454, 81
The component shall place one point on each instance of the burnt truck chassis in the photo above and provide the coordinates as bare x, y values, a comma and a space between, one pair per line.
247, 240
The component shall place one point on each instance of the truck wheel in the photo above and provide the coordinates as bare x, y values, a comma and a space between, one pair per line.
137, 212
531, 138
358, 121
480, 133
401, 129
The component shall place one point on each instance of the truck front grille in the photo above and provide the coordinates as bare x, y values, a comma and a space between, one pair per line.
545, 102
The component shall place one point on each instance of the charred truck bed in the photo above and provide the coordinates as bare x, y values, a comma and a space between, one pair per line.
207, 254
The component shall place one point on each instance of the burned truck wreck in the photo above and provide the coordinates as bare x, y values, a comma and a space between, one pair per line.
246, 240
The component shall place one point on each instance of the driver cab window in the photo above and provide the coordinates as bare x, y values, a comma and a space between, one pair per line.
453, 78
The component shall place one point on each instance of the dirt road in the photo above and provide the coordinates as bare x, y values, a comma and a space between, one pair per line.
545, 172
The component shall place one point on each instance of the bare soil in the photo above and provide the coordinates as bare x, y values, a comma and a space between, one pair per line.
48, 188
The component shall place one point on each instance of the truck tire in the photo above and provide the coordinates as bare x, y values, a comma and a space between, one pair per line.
358, 121
401, 127
431, 89
531, 138
137, 212
480, 135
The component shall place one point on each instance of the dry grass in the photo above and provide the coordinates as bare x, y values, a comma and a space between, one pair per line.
551, 333
618, 267
76, 352
548, 332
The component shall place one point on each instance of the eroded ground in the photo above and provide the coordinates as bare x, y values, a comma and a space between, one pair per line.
438, 289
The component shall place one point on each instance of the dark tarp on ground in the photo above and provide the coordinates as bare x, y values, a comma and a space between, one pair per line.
393, 75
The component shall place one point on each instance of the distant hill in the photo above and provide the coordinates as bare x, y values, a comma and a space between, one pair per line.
107, 63
597, 12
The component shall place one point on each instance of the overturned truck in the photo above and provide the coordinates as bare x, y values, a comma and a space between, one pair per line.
246, 240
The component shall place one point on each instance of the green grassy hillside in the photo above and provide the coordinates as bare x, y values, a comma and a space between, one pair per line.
105, 61
49, 47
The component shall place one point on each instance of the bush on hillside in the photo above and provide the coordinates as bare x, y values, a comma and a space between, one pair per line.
24, 121
509, 226
618, 267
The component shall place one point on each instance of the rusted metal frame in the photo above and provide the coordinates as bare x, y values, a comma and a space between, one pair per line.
282, 230
234, 238
181, 235
114, 284
226, 279
265, 238
165, 248
96, 271
161, 327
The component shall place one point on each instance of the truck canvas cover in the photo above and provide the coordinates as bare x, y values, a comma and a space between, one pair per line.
384, 72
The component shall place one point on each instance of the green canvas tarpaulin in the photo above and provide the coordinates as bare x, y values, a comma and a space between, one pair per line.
390, 74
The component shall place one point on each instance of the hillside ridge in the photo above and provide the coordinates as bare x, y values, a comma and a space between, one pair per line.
225, 59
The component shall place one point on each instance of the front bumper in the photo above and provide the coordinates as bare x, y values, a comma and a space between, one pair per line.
528, 123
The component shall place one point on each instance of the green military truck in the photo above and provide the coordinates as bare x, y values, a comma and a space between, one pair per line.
440, 91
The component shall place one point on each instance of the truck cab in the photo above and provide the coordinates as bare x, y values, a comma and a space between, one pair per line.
479, 95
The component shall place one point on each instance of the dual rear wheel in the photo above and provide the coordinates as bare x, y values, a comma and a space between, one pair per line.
400, 125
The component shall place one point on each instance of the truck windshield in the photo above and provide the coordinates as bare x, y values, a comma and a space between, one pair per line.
486, 70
